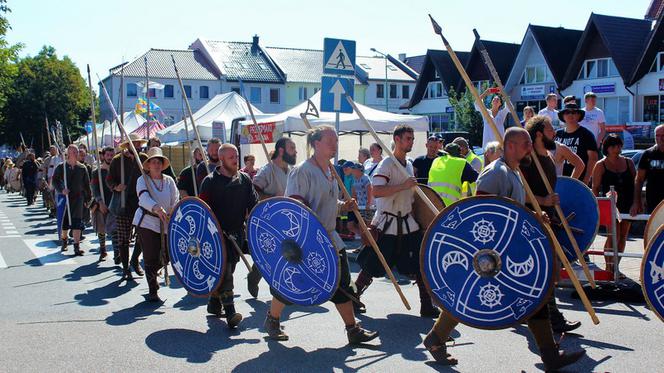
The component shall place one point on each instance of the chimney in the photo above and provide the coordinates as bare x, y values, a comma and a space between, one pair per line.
254, 44
402, 57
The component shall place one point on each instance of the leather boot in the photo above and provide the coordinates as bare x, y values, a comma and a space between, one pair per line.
438, 349
558, 321
427, 309
552, 357
102, 247
274, 329
357, 334
64, 242
77, 250
233, 319
214, 307
361, 284
253, 278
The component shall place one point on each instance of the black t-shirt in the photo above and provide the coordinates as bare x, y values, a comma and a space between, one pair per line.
534, 179
230, 199
185, 181
581, 142
423, 164
652, 161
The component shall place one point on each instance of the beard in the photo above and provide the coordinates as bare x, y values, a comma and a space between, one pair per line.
229, 167
289, 159
214, 159
548, 143
526, 161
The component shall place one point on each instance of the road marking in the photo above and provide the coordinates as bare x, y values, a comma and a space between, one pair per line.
11, 236
3, 264
48, 252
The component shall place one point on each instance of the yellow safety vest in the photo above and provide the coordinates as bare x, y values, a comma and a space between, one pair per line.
445, 177
468, 189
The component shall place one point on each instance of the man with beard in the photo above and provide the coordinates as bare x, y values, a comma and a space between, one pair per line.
542, 134
84, 158
502, 178
270, 181
102, 218
185, 180
77, 189
401, 236
313, 183
213, 161
231, 196
125, 215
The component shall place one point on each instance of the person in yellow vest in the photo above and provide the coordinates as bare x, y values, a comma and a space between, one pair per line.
448, 173
468, 154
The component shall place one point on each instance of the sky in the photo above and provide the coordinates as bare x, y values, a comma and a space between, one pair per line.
102, 33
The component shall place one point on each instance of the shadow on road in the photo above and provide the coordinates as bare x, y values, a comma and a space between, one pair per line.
98, 296
88, 270
137, 312
197, 347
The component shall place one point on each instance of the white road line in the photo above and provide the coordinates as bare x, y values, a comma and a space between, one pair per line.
48, 252
11, 236
3, 264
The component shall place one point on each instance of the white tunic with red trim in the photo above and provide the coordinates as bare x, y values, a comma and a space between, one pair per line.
388, 173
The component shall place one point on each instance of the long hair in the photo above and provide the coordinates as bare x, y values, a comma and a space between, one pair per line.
316, 134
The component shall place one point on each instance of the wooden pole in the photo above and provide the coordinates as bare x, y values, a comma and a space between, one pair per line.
123, 194
147, 98
48, 134
59, 142
94, 137
489, 120
533, 155
192, 158
363, 225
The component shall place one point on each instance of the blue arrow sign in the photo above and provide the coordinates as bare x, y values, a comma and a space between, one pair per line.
333, 92
338, 56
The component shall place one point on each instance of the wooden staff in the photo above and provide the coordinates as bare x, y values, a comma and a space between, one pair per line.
146, 177
123, 194
360, 219
94, 137
488, 119
25, 147
147, 97
48, 134
200, 144
192, 157
59, 143
496, 78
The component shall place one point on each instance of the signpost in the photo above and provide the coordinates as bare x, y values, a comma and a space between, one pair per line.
338, 60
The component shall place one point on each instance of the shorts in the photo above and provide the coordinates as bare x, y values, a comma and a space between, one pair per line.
339, 297
402, 252
76, 223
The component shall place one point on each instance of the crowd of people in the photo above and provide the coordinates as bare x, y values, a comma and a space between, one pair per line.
131, 203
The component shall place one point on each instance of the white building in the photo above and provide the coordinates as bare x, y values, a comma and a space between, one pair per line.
400, 79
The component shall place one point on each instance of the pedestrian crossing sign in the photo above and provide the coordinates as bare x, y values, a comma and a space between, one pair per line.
339, 56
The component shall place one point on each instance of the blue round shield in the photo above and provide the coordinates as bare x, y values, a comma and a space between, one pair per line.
652, 273
582, 213
196, 247
488, 261
293, 251
60, 209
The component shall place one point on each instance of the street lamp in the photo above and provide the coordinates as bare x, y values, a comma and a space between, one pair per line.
384, 90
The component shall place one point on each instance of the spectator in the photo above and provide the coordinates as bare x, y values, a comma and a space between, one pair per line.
551, 109
422, 164
579, 139
370, 165
651, 171
594, 120
249, 166
362, 192
529, 112
498, 113
492, 151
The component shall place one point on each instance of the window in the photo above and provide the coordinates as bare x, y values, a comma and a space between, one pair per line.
152, 92
274, 95
187, 90
263, 66
204, 92
658, 63
236, 90
255, 95
434, 90
244, 65
393, 91
405, 91
536, 74
132, 90
302, 93
598, 68
392, 68
380, 91
616, 109
653, 109
169, 120
168, 91
316, 90
365, 66
481, 85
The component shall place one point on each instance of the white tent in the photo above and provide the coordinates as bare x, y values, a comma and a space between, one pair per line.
132, 121
220, 113
381, 121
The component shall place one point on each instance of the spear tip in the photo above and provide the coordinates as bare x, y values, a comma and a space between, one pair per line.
436, 27
477, 35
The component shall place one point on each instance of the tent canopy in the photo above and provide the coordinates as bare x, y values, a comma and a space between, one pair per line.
381, 121
222, 109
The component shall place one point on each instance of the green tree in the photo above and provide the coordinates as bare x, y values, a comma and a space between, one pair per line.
46, 86
466, 117
8, 59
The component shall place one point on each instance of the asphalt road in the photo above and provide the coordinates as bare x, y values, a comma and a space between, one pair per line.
61, 313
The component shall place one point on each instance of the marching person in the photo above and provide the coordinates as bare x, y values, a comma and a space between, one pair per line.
312, 182
371, 164
270, 181
212, 150
651, 171
579, 139
502, 178
496, 112
231, 196
468, 154
594, 119
185, 180
401, 236
124, 216
249, 163
541, 134
551, 109
29, 176
83, 156
12, 177
54, 161
154, 206
102, 218
87, 158
79, 194
156, 142
422, 164
492, 151
618, 172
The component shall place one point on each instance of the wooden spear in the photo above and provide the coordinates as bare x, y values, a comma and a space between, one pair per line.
94, 137
488, 119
